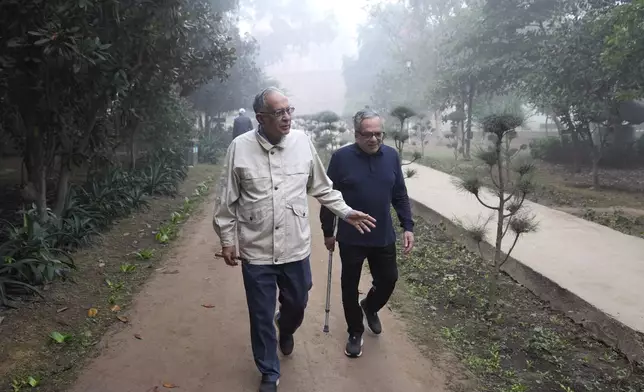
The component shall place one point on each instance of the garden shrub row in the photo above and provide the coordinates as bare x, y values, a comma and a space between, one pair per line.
36, 252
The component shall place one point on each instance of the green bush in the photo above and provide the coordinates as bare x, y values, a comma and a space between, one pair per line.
31, 256
212, 147
552, 149
36, 253
639, 147
549, 149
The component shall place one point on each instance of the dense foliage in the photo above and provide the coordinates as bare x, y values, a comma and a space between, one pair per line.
85, 83
576, 62
36, 252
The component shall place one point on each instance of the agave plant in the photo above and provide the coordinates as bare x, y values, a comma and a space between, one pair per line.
31, 257
159, 180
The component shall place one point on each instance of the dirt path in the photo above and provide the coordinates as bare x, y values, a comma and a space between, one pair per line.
201, 349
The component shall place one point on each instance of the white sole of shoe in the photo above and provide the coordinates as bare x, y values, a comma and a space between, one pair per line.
359, 354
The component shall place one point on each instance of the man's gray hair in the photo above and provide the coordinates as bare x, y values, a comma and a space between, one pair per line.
363, 114
259, 103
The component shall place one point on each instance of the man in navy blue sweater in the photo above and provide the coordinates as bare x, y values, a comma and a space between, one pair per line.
369, 176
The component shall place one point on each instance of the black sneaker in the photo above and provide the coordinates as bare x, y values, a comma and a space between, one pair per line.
286, 342
373, 321
353, 348
268, 386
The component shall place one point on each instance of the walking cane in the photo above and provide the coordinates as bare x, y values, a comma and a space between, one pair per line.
327, 307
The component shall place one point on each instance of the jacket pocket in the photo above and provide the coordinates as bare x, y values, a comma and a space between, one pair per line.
255, 181
298, 231
254, 227
298, 169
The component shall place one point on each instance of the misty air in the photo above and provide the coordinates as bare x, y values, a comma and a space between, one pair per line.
309, 195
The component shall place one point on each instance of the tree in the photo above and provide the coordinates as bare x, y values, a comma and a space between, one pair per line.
573, 80
295, 24
423, 131
507, 197
624, 47
457, 119
71, 70
237, 90
402, 114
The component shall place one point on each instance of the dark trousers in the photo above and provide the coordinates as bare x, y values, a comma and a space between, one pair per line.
384, 271
261, 283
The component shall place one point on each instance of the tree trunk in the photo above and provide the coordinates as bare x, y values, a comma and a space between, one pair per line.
35, 162
494, 284
64, 176
207, 125
132, 151
41, 191
470, 103
547, 118
596, 159
462, 110
576, 146
507, 159
559, 126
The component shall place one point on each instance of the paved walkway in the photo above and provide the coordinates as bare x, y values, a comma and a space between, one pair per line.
203, 349
600, 265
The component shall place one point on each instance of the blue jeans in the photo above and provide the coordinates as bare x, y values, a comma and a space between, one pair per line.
261, 283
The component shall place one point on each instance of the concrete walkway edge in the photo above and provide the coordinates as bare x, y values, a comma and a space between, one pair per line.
590, 272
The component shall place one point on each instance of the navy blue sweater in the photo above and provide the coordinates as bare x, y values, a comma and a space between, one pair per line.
370, 183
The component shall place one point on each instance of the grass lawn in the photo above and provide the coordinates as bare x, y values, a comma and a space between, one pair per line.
443, 293
619, 204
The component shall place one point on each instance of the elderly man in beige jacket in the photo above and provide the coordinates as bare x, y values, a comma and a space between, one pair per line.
262, 202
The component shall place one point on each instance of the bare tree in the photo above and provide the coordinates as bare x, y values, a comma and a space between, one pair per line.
511, 183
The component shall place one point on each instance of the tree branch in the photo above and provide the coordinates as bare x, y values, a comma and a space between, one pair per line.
484, 204
507, 255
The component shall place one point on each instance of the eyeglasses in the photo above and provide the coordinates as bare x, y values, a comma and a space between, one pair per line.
281, 112
369, 135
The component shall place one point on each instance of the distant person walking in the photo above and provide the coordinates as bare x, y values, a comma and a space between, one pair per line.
368, 174
262, 200
242, 124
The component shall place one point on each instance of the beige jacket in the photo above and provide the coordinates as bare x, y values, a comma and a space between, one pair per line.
262, 197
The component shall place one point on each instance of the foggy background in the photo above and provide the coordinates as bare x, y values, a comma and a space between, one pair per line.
302, 45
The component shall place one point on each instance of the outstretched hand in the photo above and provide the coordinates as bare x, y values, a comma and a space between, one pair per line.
361, 221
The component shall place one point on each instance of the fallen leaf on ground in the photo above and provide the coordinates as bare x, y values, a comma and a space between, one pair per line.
169, 385
92, 312
62, 309
136, 335
115, 308
1, 319
122, 319
208, 306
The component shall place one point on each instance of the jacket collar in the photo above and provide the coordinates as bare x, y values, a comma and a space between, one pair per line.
263, 140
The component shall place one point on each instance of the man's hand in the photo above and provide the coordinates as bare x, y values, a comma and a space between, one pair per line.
229, 254
329, 242
361, 221
408, 242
